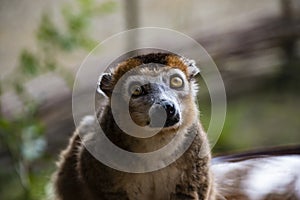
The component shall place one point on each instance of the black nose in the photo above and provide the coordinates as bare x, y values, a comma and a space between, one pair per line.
164, 111
169, 108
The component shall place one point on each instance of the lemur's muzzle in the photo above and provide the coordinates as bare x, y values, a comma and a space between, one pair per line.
163, 114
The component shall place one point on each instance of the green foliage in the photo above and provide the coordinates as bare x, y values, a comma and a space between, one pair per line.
23, 137
47, 32
77, 23
33, 143
29, 63
24, 140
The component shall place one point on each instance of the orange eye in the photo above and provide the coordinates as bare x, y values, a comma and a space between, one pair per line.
176, 82
136, 90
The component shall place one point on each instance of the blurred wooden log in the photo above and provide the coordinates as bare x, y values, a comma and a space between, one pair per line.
246, 47
268, 33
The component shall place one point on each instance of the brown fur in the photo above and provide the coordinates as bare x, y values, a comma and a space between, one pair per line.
124, 67
174, 61
81, 176
162, 58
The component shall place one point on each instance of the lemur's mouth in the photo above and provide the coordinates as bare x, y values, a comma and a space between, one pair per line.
163, 114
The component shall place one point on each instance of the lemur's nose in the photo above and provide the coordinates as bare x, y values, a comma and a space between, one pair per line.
164, 111
169, 108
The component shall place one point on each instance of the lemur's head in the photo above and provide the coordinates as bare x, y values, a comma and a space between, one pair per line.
157, 89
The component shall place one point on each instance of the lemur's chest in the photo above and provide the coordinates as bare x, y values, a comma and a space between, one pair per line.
158, 185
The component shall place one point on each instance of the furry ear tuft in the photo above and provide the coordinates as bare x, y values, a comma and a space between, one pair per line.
105, 84
193, 70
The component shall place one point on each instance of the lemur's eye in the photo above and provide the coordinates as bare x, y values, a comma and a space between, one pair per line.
136, 90
176, 82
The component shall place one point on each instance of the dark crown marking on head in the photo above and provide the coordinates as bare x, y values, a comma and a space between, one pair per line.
170, 60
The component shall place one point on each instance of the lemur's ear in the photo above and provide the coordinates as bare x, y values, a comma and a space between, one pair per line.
105, 84
193, 70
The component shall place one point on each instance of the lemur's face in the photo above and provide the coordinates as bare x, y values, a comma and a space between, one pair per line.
156, 95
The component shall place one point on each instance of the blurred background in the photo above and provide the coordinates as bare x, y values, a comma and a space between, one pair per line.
255, 45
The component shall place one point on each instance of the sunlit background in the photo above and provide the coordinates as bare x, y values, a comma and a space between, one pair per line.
254, 43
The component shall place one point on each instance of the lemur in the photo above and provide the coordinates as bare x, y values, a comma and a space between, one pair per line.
169, 90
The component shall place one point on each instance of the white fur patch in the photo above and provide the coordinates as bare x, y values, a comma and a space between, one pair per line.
88, 120
257, 178
274, 175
